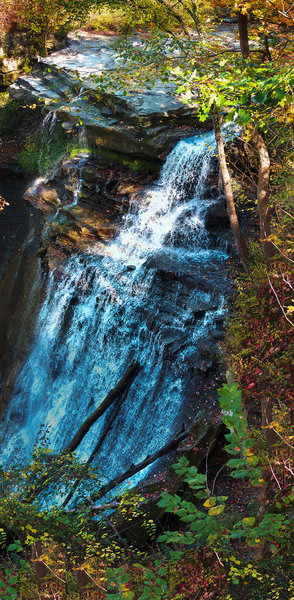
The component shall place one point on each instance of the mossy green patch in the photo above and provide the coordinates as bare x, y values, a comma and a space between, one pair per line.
44, 149
137, 165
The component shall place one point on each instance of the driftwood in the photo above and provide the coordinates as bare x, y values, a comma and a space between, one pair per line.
151, 458
115, 393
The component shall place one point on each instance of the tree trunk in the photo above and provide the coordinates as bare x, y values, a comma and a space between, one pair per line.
262, 193
267, 50
239, 240
115, 393
195, 17
40, 568
243, 34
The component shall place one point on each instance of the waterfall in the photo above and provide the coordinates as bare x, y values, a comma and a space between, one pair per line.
121, 302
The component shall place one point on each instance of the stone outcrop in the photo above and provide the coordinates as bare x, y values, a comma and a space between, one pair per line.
83, 201
10, 69
144, 123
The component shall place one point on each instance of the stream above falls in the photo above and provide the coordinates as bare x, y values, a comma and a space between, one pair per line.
156, 293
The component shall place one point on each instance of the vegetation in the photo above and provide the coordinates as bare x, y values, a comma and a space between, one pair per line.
115, 20
207, 546
42, 18
223, 550
44, 148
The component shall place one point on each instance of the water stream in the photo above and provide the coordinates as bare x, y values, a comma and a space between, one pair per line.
117, 303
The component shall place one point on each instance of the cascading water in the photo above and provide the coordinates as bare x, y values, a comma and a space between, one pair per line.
49, 121
116, 304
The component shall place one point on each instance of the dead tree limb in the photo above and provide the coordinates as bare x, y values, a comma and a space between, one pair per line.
115, 393
151, 458
118, 391
96, 450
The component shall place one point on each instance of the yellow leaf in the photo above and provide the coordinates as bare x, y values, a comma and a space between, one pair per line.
216, 510
207, 503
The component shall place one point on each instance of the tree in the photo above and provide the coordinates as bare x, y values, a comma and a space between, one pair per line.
250, 91
42, 18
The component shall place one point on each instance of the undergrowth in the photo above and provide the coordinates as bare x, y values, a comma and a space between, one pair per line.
107, 20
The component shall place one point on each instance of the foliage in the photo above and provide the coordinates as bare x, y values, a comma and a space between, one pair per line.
182, 16
262, 10
209, 530
116, 20
42, 18
205, 528
206, 548
261, 338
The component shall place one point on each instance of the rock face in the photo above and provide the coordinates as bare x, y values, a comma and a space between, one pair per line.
145, 123
83, 201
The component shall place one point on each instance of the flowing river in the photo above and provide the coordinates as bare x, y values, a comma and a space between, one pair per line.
119, 303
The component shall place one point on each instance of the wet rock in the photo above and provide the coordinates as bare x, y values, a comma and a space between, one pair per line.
217, 216
82, 217
204, 437
168, 335
197, 315
217, 334
90, 175
207, 349
145, 123
44, 198
172, 349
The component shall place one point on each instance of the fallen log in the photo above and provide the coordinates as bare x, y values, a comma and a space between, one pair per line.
115, 393
151, 458
120, 389
96, 450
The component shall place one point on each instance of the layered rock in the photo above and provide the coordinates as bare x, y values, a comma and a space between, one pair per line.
83, 201
145, 123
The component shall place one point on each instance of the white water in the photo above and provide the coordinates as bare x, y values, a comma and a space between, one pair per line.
94, 322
